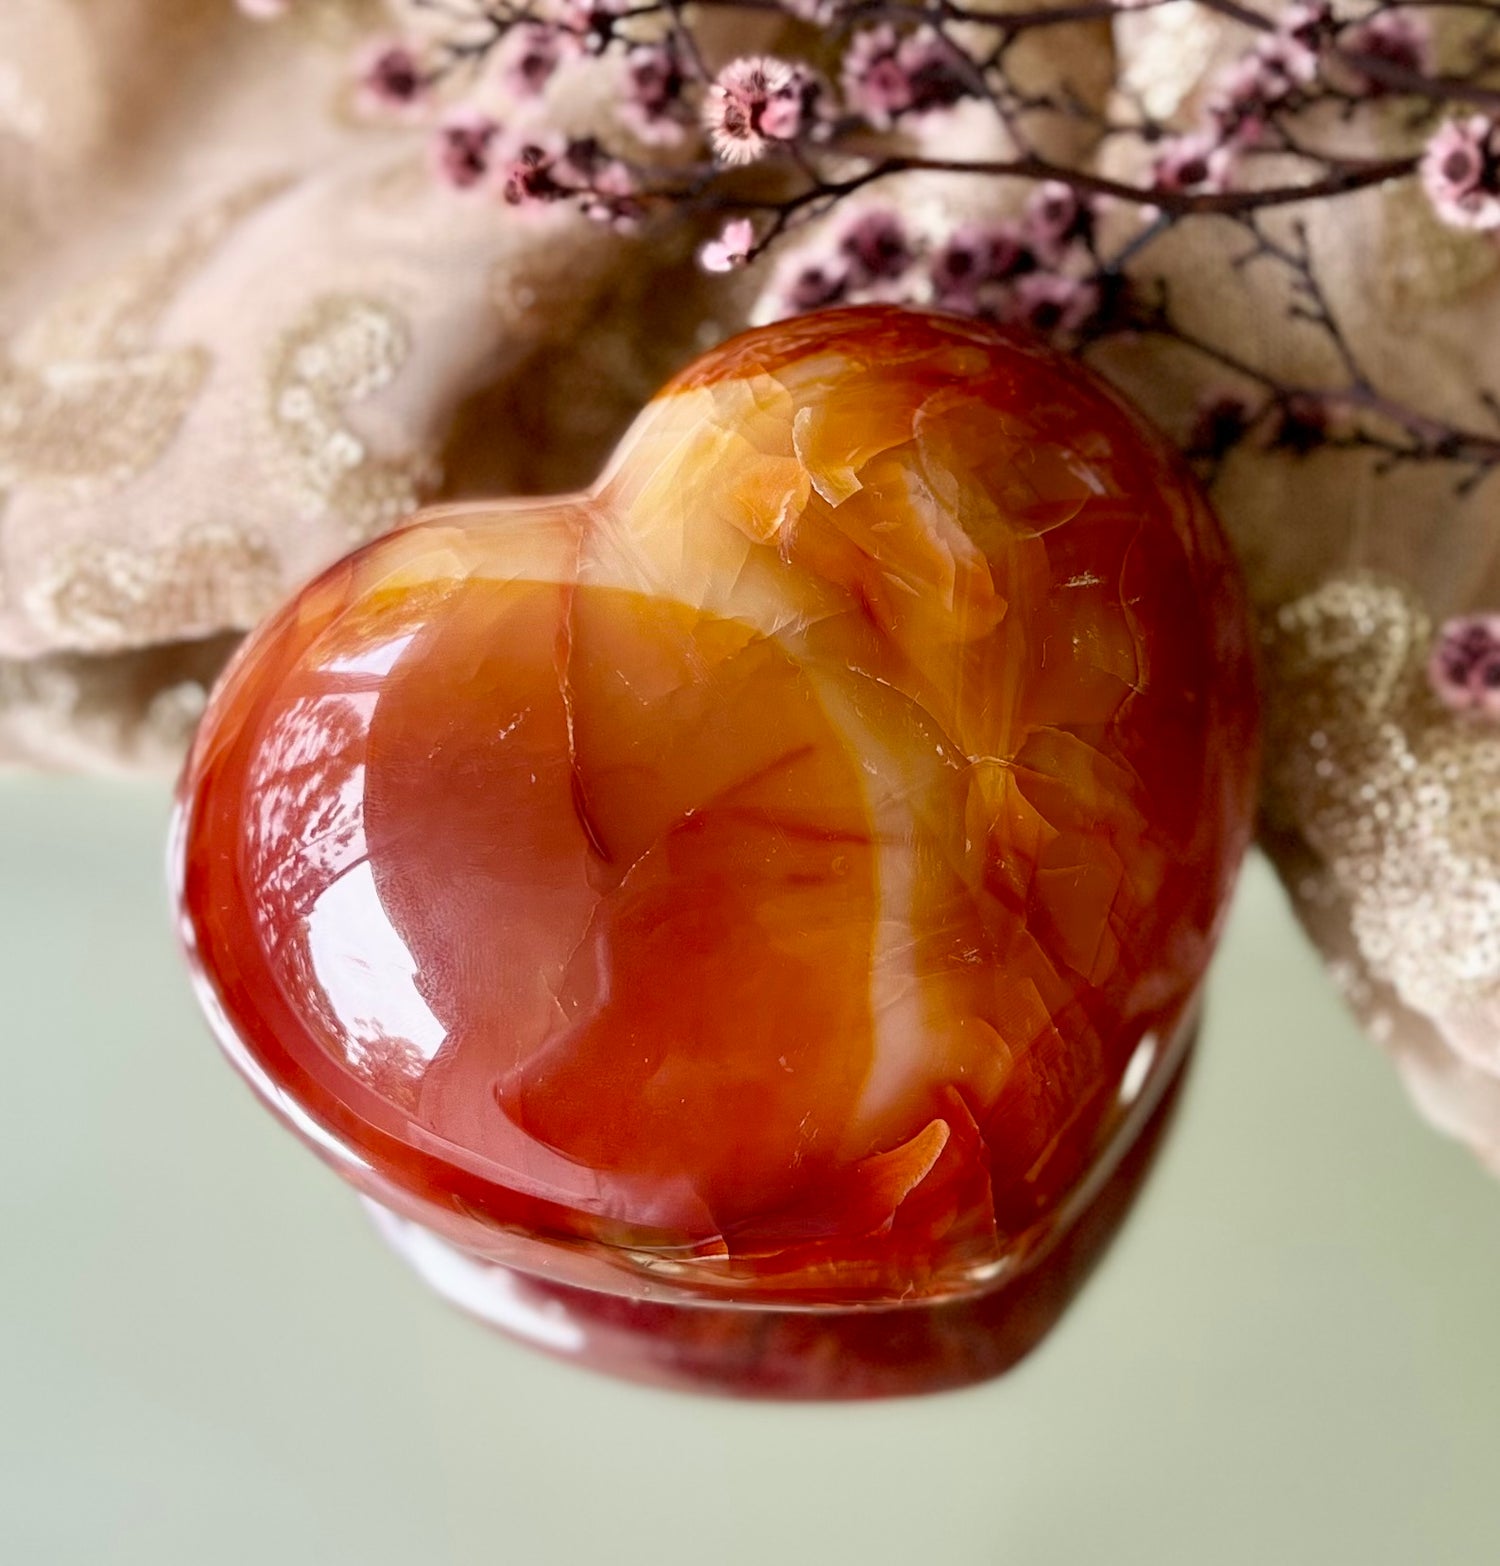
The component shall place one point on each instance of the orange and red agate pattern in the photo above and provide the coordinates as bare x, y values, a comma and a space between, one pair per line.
770, 874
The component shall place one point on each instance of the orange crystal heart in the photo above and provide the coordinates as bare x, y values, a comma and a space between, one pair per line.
782, 874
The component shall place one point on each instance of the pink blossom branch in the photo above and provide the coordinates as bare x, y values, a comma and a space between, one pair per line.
827, 130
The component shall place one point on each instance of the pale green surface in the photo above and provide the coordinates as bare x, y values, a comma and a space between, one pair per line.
1292, 1356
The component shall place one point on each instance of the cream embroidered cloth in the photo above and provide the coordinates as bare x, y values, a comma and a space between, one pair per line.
242, 330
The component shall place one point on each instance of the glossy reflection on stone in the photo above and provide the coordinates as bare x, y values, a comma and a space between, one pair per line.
776, 877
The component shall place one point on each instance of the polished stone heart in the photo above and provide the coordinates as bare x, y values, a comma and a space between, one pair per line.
781, 875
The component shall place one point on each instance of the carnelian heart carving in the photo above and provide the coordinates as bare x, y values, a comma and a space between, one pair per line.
778, 872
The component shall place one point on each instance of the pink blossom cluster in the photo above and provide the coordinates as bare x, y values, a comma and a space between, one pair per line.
1391, 38
1242, 106
1270, 79
1267, 136
471, 152
1036, 270
750, 106
1310, 53
1295, 424
1465, 665
656, 102
537, 171
530, 51
887, 74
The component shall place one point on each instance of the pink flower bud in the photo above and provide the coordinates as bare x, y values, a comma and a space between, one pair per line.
463, 147
1053, 305
731, 249
1198, 162
1465, 665
1461, 172
392, 78
1391, 37
876, 247
529, 56
885, 76
655, 107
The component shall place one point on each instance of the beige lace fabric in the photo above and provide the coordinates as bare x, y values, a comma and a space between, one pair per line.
241, 330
